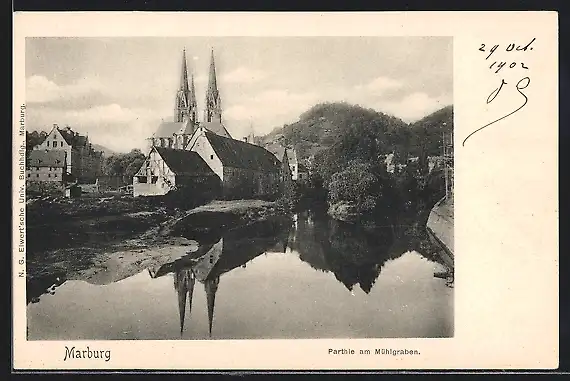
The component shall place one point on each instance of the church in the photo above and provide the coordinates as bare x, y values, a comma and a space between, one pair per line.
186, 152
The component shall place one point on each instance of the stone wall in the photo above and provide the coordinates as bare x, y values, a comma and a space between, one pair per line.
245, 183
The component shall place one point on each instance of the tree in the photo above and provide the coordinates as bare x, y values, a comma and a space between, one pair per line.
125, 165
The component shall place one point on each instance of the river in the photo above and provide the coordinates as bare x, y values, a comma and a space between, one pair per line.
305, 277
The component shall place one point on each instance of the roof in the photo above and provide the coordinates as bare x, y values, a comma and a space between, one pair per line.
167, 129
216, 128
237, 154
278, 150
182, 161
47, 158
72, 138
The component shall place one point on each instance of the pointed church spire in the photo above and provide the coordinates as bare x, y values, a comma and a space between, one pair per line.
212, 82
184, 284
184, 74
213, 111
211, 286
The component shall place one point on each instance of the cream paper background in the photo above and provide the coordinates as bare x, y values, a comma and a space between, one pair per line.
506, 202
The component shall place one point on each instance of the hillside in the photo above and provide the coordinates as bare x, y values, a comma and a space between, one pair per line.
325, 124
106, 151
330, 135
428, 131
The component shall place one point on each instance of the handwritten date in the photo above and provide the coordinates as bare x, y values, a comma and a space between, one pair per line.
498, 65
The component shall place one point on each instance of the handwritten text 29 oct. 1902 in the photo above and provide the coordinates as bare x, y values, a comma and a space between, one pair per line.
496, 66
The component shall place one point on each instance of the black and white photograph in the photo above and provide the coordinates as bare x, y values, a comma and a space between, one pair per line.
208, 188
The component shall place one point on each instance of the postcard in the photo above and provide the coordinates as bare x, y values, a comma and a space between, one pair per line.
277, 191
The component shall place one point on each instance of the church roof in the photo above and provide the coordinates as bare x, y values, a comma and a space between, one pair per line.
183, 162
237, 154
47, 158
167, 129
217, 128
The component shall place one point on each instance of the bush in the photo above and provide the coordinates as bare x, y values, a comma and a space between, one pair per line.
360, 183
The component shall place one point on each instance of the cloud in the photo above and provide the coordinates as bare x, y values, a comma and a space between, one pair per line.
39, 89
380, 85
271, 108
413, 106
112, 126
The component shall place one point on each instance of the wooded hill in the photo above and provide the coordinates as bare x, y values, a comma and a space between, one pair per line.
330, 135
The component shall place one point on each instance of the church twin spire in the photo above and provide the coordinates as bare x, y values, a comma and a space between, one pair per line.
186, 105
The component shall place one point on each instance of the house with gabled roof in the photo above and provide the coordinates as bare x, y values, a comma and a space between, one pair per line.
167, 169
245, 170
82, 162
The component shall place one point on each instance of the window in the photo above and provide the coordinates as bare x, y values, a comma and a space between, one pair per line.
61, 144
37, 175
37, 168
47, 143
29, 174
211, 157
142, 179
54, 144
49, 174
55, 175
50, 168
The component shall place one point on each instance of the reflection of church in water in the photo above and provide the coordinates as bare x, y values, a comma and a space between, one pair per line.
206, 266
184, 281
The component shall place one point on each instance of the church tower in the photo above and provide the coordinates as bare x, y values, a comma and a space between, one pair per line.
186, 105
213, 110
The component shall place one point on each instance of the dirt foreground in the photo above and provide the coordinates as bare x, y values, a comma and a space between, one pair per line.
105, 240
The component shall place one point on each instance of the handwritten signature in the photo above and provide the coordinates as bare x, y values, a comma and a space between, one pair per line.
521, 84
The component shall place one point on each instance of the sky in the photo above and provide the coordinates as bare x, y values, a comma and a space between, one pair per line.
117, 90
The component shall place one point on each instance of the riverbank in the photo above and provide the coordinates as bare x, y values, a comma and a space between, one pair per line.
102, 241
440, 226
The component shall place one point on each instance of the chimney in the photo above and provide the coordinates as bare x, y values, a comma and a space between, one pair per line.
55, 125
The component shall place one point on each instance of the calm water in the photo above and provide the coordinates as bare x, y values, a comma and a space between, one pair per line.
305, 278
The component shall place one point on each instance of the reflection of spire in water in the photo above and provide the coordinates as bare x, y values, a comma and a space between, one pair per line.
184, 285
211, 287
